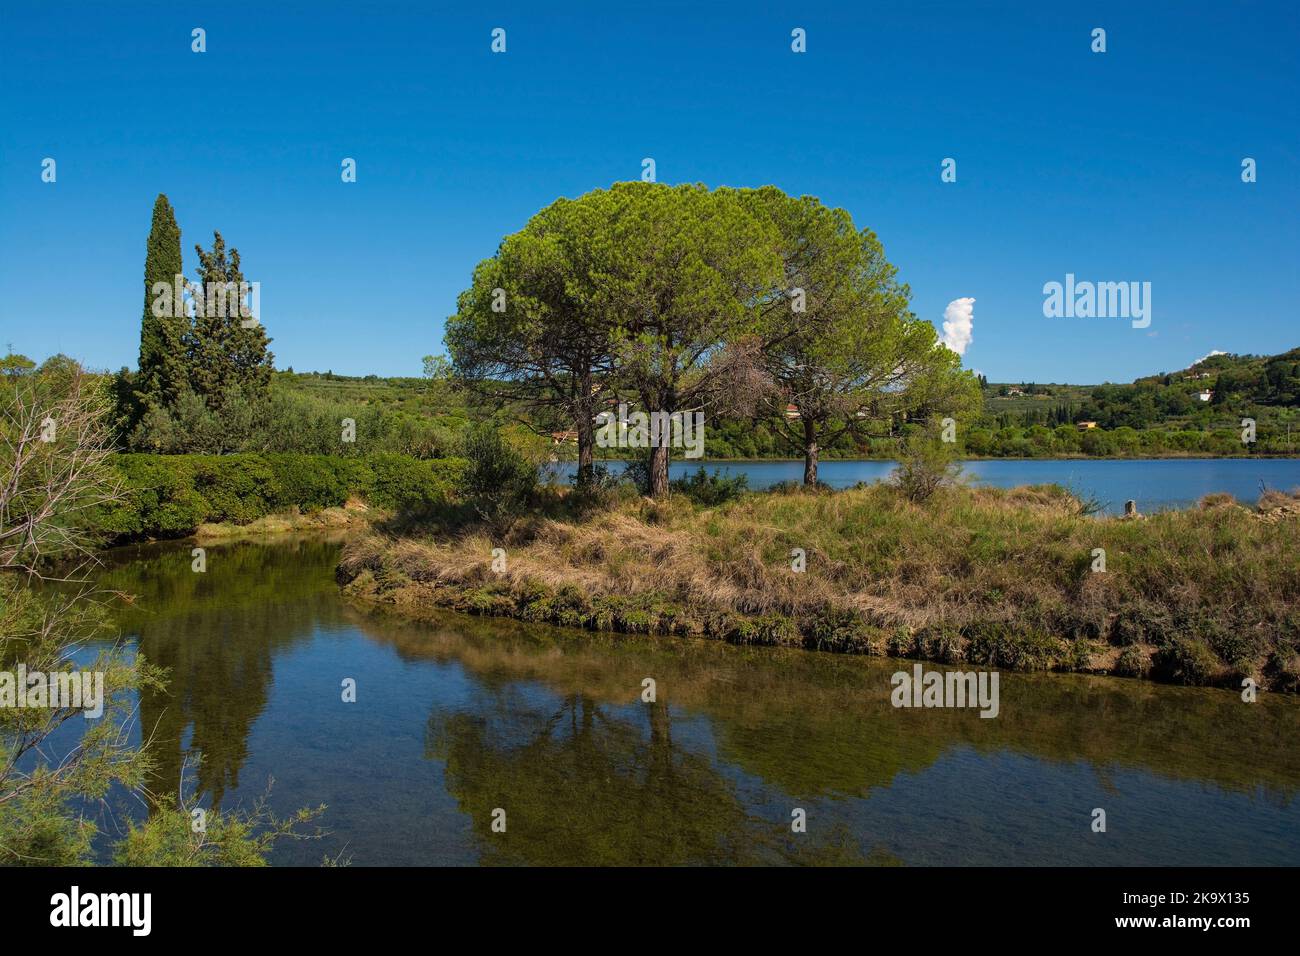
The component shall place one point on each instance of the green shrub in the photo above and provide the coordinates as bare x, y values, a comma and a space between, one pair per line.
238, 488
836, 629
941, 643
925, 465
1142, 622
999, 645
901, 642
402, 483
312, 482
605, 490
1133, 662
1231, 645
705, 488
169, 496
772, 630
159, 499
499, 480
637, 470
1185, 661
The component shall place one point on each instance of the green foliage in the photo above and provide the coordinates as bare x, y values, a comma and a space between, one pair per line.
161, 499
224, 352
14, 365
437, 367
705, 488
169, 496
202, 383
604, 490
294, 419
162, 370
499, 480
1161, 414
1132, 662
637, 470
847, 354
1185, 660
53, 497
678, 298
229, 838
526, 330
925, 465
313, 482
49, 487
401, 483
237, 488
999, 645
676, 269
38, 629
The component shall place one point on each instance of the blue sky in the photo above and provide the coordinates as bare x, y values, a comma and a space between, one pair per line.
1122, 166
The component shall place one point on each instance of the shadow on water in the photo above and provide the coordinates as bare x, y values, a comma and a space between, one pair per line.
456, 717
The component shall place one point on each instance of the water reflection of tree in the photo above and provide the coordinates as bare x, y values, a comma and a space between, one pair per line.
588, 784
818, 725
217, 634
585, 784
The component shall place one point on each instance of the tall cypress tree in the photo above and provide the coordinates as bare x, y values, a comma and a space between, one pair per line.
162, 337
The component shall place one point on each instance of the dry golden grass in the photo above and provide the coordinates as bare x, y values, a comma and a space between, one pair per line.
1004, 577
354, 514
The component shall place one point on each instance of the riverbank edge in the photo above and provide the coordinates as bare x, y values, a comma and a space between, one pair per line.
648, 615
353, 516
1132, 638
421, 601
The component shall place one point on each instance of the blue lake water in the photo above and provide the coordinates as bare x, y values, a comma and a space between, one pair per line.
1153, 483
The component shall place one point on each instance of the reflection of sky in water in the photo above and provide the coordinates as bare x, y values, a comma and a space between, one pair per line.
744, 737
975, 809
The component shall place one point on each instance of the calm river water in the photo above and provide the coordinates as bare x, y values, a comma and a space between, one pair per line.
459, 717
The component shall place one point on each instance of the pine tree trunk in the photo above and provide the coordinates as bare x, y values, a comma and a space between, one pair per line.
659, 471
586, 444
810, 451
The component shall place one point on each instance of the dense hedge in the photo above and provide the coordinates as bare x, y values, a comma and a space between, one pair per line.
169, 496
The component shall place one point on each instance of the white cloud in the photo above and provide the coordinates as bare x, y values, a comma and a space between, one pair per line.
1213, 352
958, 324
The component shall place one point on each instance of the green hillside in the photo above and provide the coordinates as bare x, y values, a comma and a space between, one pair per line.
1215, 393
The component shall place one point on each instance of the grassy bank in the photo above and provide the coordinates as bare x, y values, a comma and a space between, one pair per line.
990, 577
355, 514
174, 496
